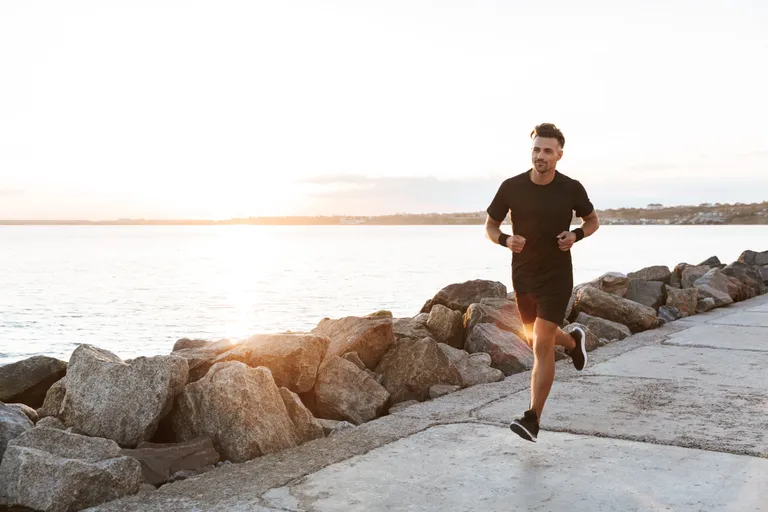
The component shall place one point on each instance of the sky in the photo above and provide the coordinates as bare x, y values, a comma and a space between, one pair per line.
160, 109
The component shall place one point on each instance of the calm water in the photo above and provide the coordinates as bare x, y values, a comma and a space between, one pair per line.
134, 290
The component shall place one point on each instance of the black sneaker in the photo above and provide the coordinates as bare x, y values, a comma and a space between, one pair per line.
526, 427
579, 353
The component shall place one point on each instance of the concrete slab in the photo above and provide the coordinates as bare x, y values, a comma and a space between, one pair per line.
759, 309
712, 366
748, 318
730, 337
689, 413
472, 467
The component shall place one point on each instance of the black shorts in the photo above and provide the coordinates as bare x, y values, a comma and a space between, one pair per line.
548, 307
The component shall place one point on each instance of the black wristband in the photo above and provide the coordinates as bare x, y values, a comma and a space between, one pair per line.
579, 233
503, 239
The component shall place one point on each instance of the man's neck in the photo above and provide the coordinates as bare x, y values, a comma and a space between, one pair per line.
542, 179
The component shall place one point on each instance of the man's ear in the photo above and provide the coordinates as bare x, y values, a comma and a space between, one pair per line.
559, 154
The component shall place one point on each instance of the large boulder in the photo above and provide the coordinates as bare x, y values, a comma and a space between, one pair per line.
161, 460
668, 314
503, 313
13, 423
653, 273
712, 261
53, 399
764, 272
684, 300
614, 283
345, 392
647, 293
715, 284
738, 290
27, 381
307, 428
474, 369
704, 305
239, 408
293, 358
603, 328
508, 352
124, 401
460, 296
411, 329
749, 275
369, 337
54, 470
200, 354
446, 326
754, 258
595, 302
410, 369
690, 274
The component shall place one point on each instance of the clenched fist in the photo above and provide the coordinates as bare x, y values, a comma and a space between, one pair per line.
516, 243
565, 240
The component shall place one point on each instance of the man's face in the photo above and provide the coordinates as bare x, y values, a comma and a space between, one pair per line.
545, 154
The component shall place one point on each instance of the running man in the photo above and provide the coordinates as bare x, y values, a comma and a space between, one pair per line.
541, 202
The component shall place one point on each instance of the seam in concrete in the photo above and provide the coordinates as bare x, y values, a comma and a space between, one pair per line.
670, 343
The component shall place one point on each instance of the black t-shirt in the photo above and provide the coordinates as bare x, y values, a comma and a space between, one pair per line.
540, 213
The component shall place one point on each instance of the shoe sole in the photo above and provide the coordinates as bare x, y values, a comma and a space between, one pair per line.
582, 346
520, 430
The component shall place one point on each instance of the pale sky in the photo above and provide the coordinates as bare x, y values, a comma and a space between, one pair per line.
163, 109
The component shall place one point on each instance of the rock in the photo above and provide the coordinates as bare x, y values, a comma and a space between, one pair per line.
669, 313
160, 461
446, 325
53, 399
604, 328
26, 410
342, 426
410, 369
653, 273
375, 376
369, 337
439, 390
764, 272
380, 314
500, 312
691, 274
704, 305
614, 283
51, 422
604, 305
201, 358
186, 343
354, 358
403, 405
328, 425
26, 382
683, 300
410, 329
738, 290
52, 470
187, 473
714, 284
13, 423
239, 408
749, 275
754, 258
124, 401
712, 261
592, 341
307, 427
675, 281
474, 368
648, 293
460, 296
292, 358
508, 352
345, 392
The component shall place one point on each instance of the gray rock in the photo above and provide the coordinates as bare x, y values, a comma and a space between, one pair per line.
460, 296
160, 461
712, 261
474, 368
592, 341
439, 390
683, 300
306, 426
52, 470
239, 408
124, 401
421, 318
704, 305
410, 329
186, 474
200, 357
754, 258
690, 274
53, 399
13, 423
354, 358
614, 283
500, 312
26, 382
653, 273
764, 272
292, 358
345, 392
714, 284
446, 326
410, 369
403, 405
603, 328
648, 293
669, 313
27, 410
594, 302
749, 275
675, 281
51, 422
342, 426
328, 425
369, 337
187, 343
508, 352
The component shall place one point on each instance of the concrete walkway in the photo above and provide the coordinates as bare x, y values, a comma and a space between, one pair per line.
671, 419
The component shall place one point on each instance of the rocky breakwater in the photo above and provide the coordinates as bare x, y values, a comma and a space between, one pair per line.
96, 428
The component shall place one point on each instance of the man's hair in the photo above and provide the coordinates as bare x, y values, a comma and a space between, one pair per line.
549, 131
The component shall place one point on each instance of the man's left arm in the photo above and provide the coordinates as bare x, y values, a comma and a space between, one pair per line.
590, 221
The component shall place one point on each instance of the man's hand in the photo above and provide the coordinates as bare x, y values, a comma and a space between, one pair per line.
516, 243
565, 240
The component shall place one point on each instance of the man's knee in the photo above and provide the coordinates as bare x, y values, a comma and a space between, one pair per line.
544, 338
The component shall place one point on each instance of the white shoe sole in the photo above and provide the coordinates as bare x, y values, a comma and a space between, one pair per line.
583, 345
523, 432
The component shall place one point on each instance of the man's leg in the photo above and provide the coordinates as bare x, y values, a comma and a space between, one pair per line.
543, 374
